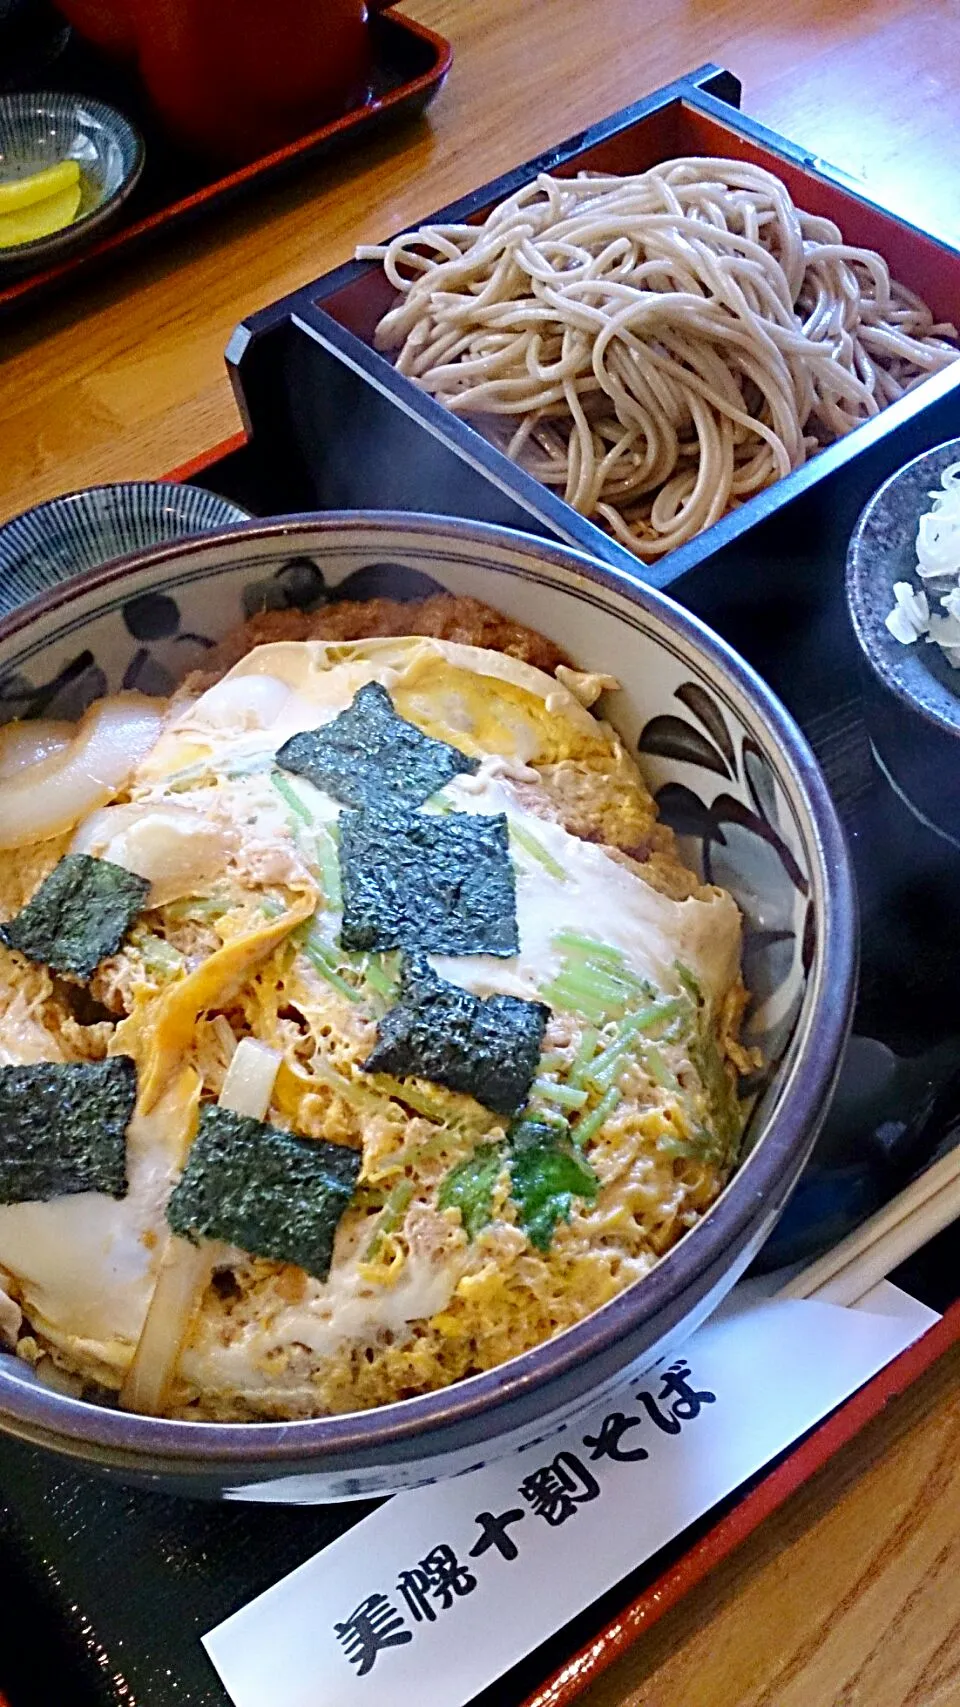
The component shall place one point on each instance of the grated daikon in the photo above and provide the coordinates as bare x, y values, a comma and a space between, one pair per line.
938, 567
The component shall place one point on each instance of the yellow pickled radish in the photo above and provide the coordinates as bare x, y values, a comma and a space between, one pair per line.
17, 193
40, 219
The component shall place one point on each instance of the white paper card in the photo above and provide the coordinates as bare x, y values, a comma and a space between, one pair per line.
445, 1587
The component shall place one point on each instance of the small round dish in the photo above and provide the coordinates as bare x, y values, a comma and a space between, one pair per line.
911, 693
37, 131
51, 543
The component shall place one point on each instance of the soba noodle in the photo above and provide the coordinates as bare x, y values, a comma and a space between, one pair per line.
657, 347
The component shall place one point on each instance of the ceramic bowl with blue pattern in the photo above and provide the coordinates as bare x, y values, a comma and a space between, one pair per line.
44, 546
731, 773
37, 131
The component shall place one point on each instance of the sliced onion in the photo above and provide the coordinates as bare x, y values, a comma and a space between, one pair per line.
26, 743
174, 848
252, 702
185, 1269
44, 799
96, 833
11, 1320
248, 1086
182, 1279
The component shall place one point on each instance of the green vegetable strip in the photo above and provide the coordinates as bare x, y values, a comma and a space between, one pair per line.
391, 1215
562, 994
660, 1013
431, 1107
437, 1144
376, 975
546, 1115
589, 1124
590, 948
203, 907
552, 1063
688, 981
601, 1078
647, 1019
158, 956
344, 1087
586, 1051
178, 781
291, 798
624, 1035
329, 869
537, 851
567, 1096
323, 960
620, 984
657, 1068
589, 962
599, 983
681, 1147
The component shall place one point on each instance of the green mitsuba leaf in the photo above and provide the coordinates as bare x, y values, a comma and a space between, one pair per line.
79, 915
487, 1047
270, 1192
369, 752
63, 1128
420, 881
469, 1187
546, 1174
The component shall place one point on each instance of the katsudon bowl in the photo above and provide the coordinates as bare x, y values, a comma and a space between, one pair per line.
732, 776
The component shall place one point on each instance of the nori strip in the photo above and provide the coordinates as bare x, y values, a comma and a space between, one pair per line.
546, 1174
370, 752
270, 1192
488, 1047
420, 881
63, 1128
79, 915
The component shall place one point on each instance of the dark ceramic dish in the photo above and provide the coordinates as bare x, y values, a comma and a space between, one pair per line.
911, 693
731, 772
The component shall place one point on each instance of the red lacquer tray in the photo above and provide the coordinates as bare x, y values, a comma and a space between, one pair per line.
410, 63
121, 1583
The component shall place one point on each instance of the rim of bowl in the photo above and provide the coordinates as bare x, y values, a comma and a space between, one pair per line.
120, 127
897, 670
198, 1446
109, 487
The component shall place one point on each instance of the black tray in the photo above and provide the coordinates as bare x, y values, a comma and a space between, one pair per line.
121, 1584
307, 364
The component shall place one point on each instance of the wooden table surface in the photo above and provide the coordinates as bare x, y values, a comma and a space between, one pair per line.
850, 1596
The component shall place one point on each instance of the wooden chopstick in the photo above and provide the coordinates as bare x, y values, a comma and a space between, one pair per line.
867, 1255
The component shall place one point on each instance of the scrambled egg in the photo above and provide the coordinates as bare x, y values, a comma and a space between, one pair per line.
238, 866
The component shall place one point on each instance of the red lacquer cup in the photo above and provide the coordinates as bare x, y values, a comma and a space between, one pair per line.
234, 79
